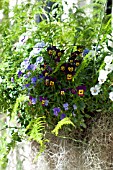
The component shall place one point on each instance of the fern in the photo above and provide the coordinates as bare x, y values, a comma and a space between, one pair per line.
65, 121
36, 128
35, 131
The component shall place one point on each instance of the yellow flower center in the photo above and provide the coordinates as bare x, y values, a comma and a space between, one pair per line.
51, 83
81, 92
77, 63
46, 74
62, 68
50, 51
69, 76
47, 82
43, 101
59, 54
70, 69
62, 92
71, 61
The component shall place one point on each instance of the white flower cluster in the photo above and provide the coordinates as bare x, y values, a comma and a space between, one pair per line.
103, 76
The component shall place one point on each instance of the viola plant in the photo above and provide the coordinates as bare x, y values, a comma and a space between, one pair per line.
47, 79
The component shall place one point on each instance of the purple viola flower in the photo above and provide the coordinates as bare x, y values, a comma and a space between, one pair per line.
56, 110
27, 85
12, 79
65, 105
33, 80
74, 106
40, 76
73, 114
85, 52
63, 115
19, 74
27, 75
39, 60
31, 67
46, 102
33, 100
25, 64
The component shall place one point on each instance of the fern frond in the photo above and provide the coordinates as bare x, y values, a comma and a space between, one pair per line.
65, 121
36, 128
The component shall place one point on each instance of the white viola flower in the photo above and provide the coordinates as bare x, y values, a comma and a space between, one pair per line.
39, 60
102, 76
40, 45
23, 38
102, 79
109, 68
24, 65
37, 48
103, 72
36, 51
17, 46
108, 59
111, 95
95, 90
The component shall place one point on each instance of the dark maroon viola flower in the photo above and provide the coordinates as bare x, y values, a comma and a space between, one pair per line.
80, 48
71, 60
59, 53
63, 67
62, 91
45, 73
57, 60
75, 54
47, 80
73, 91
51, 50
52, 81
70, 68
81, 89
77, 62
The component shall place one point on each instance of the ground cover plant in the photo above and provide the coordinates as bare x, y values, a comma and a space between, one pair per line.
56, 73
